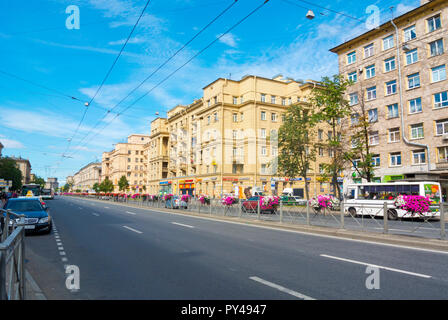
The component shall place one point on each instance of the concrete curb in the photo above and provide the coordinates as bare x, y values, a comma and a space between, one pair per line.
33, 291
387, 239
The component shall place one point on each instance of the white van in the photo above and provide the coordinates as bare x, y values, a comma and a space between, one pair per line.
369, 198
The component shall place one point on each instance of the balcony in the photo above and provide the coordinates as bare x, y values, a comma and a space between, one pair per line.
442, 164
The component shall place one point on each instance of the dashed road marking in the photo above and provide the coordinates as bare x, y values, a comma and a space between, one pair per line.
183, 225
132, 229
281, 288
133, 213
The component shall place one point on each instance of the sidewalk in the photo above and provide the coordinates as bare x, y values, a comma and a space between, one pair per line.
391, 239
33, 292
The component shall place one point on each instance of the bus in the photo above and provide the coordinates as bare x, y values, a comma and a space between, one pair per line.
34, 188
47, 194
368, 198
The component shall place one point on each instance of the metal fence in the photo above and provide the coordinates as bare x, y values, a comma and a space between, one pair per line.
374, 220
12, 257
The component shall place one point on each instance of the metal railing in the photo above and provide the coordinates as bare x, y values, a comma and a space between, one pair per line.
374, 218
12, 257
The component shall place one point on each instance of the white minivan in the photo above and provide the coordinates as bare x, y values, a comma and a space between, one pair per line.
369, 198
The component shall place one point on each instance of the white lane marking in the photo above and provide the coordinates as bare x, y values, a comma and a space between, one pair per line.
380, 267
80, 208
183, 225
64, 259
96, 214
282, 289
62, 253
106, 207
132, 229
131, 212
61, 248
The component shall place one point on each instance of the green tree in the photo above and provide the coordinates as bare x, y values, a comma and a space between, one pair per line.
296, 144
106, 186
66, 187
123, 183
96, 187
328, 99
10, 171
39, 180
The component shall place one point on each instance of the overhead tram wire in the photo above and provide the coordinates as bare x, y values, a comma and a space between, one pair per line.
160, 67
179, 68
105, 78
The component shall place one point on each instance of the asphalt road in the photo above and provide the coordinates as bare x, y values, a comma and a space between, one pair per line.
132, 253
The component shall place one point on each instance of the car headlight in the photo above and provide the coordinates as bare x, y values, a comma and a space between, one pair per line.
43, 220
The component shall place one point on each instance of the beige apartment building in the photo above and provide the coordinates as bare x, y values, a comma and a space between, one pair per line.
226, 141
86, 177
399, 70
128, 159
24, 166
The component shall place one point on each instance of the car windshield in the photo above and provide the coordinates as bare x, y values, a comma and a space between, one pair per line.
23, 206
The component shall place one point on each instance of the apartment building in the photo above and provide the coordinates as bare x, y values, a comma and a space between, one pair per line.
52, 183
226, 141
399, 75
86, 177
24, 166
128, 159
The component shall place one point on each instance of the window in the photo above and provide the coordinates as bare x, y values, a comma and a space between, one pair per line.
441, 100
235, 100
263, 97
273, 99
283, 102
320, 134
208, 103
353, 98
263, 115
370, 71
392, 111
436, 47
274, 117
413, 80
434, 23
263, 151
321, 151
368, 51
274, 151
263, 132
216, 116
442, 127
129, 151
389, 64
234, 134
235, 152
376, 161
395, 159
289, 101
374, 138
129, 159
208, 119
438, 73
354, 119
263, 168
394, 134
443, 154
351, 57
241, 99
216, 100
391, 87
417, 131
355, 142
353, 76
235, 117
371, 93
418, 157
242, 117
409, 33
415, 105
373, 115
411, 56
388, 42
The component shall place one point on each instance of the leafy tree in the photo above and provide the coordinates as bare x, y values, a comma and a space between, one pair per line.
66, 187
106, 186
295, 140
39, 180
96, 187
123, 183
10, 171
328, 99
359, 155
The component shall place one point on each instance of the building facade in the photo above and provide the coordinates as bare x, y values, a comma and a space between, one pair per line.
86, 177
52, 183
400, 82
24, 166
128, 159
226, 141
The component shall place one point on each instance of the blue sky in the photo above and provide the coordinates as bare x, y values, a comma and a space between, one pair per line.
35, 123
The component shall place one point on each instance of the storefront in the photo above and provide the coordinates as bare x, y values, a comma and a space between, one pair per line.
165, 187
186, 187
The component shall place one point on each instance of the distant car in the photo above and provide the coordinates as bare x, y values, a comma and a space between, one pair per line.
36, 217
293, 201
251, 205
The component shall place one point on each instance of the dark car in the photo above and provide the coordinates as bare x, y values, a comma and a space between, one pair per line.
36, 217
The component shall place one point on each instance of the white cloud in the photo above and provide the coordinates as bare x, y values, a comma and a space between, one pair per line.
229, 39
11, 144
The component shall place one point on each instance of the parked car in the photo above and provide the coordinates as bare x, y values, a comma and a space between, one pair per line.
251, 205
293, 201
36, 217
